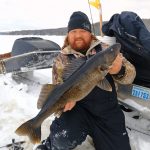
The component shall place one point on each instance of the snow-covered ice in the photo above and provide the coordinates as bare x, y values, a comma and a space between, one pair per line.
18, 104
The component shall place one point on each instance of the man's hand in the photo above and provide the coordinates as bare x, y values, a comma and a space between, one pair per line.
69, 106
117, 64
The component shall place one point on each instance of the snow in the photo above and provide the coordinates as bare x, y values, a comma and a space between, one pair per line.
18, 104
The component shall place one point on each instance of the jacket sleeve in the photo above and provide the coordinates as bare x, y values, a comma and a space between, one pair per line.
58, 68
128, 75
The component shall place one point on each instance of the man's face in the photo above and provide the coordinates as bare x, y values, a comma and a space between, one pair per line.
79, 39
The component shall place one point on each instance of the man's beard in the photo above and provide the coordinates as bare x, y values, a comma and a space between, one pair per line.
83, 47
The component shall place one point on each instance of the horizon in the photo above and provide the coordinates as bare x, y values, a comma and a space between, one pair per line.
55, 28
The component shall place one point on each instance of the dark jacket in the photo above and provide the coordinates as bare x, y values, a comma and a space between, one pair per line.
132, 34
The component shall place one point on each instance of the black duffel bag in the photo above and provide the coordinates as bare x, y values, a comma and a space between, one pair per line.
134, 37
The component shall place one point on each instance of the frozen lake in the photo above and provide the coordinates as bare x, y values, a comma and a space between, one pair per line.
15, 100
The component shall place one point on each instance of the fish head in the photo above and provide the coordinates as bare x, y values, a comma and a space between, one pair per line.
106, 57
105, 60
110, 54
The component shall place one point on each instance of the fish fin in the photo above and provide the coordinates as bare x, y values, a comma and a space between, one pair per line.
71, 67
28, 129
45, 90
105, 85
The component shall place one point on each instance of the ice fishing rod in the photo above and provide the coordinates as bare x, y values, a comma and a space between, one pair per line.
97, 5
91, 17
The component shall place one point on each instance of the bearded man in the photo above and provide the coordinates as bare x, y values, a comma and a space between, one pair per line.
98, 114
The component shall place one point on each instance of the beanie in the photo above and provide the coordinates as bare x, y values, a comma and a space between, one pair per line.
79, 20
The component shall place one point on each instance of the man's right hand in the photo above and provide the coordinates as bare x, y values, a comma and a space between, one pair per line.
69, 106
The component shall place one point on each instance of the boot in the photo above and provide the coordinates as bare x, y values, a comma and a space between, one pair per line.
41, 147
45, 145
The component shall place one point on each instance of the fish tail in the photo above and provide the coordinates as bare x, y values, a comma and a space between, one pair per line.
28, 128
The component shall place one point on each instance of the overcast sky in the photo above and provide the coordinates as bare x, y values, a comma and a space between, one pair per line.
42, 14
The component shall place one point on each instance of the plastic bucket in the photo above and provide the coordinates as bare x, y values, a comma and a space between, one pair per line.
108, 40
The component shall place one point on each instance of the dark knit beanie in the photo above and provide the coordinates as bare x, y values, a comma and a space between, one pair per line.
79, 20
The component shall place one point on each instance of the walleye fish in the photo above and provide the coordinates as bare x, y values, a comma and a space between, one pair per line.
79, 80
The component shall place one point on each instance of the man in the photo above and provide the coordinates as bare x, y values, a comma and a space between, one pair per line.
98, 114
